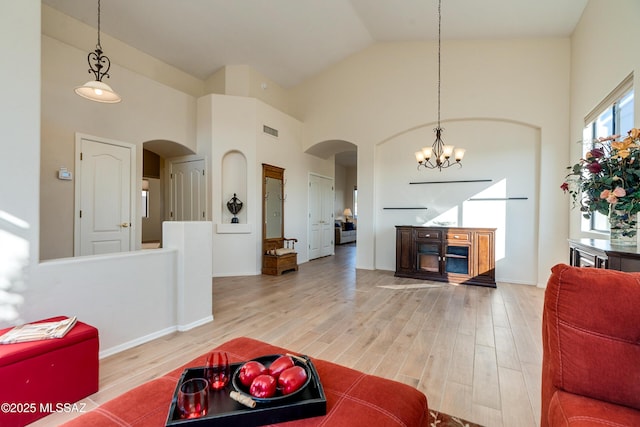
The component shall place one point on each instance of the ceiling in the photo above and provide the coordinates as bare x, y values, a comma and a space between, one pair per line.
289, 41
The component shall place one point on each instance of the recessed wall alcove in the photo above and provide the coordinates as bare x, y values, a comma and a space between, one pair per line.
496, 187
233, 181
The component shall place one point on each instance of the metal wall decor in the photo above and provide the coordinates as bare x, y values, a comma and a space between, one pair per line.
234, 205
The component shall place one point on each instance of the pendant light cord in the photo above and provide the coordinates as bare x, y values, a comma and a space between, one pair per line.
98, 45
439, 48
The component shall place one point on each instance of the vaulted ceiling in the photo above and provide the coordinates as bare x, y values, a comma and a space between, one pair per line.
291, 40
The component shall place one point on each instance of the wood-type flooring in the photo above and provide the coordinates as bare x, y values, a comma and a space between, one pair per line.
475, 352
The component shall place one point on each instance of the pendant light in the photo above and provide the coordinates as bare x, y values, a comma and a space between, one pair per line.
439, 155
97, 90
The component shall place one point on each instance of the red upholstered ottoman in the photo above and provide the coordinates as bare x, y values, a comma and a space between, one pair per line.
38, 375
354, 399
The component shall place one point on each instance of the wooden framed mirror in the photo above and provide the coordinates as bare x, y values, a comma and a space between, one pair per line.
273, 202
278, 252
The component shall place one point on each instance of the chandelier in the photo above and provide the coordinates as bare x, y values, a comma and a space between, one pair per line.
96, 90
439, 155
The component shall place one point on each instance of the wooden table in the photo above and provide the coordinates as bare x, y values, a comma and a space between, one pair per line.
600, 253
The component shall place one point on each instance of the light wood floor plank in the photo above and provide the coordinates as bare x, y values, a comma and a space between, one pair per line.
516, 409
475, 352
461, 369
458, 399
486, 386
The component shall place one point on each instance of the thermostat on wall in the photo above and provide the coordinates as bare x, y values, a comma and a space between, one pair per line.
63, 173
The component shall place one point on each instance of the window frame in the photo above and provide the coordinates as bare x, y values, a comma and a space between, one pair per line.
610, 105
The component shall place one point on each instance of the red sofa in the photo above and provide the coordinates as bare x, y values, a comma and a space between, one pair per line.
591, 348
353, 398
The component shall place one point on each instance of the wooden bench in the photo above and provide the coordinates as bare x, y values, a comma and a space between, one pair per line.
279, 256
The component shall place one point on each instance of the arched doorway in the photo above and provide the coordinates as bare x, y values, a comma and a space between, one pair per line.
156, 195
345, 187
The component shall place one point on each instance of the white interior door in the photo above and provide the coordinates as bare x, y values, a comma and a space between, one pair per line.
315, 209
103, 196
320, 216
327, 228
188, 190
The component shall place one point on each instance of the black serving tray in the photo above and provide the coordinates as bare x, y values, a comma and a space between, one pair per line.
226, 412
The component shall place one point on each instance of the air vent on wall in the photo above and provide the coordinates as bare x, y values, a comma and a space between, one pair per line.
271, 131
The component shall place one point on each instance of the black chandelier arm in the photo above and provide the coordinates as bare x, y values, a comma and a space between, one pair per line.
99, 64
444, 165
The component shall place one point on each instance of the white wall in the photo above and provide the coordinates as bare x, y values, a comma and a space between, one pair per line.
287, 152
20, 148
148, 111
367, 99
390, 89
129, 297
235, 124
75, 33
604, 50
193, 300
512, 150
230, 126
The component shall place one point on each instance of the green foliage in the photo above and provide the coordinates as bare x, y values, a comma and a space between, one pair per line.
608, 177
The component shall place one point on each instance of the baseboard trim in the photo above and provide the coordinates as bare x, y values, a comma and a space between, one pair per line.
192, 325
141, 340
152, 336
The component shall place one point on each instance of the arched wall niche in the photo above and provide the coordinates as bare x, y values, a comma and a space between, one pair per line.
234, 181
497, 186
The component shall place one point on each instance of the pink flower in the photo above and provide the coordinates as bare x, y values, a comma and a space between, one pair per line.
605, 194
619, 192
612, 199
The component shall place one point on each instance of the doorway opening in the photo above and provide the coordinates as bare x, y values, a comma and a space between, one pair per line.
344, 216
156, 188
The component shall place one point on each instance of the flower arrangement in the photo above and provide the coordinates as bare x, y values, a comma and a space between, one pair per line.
607, 180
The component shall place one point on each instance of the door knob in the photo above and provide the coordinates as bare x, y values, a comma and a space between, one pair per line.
124, 225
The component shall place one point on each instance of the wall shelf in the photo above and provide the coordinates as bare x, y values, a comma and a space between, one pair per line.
450, 182
416, 208
493, 199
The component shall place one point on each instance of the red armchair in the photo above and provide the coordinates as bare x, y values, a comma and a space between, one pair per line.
591, 348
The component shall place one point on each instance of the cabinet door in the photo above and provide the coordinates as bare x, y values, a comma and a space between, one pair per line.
457, 258
428, 256
485, 257
404, 251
